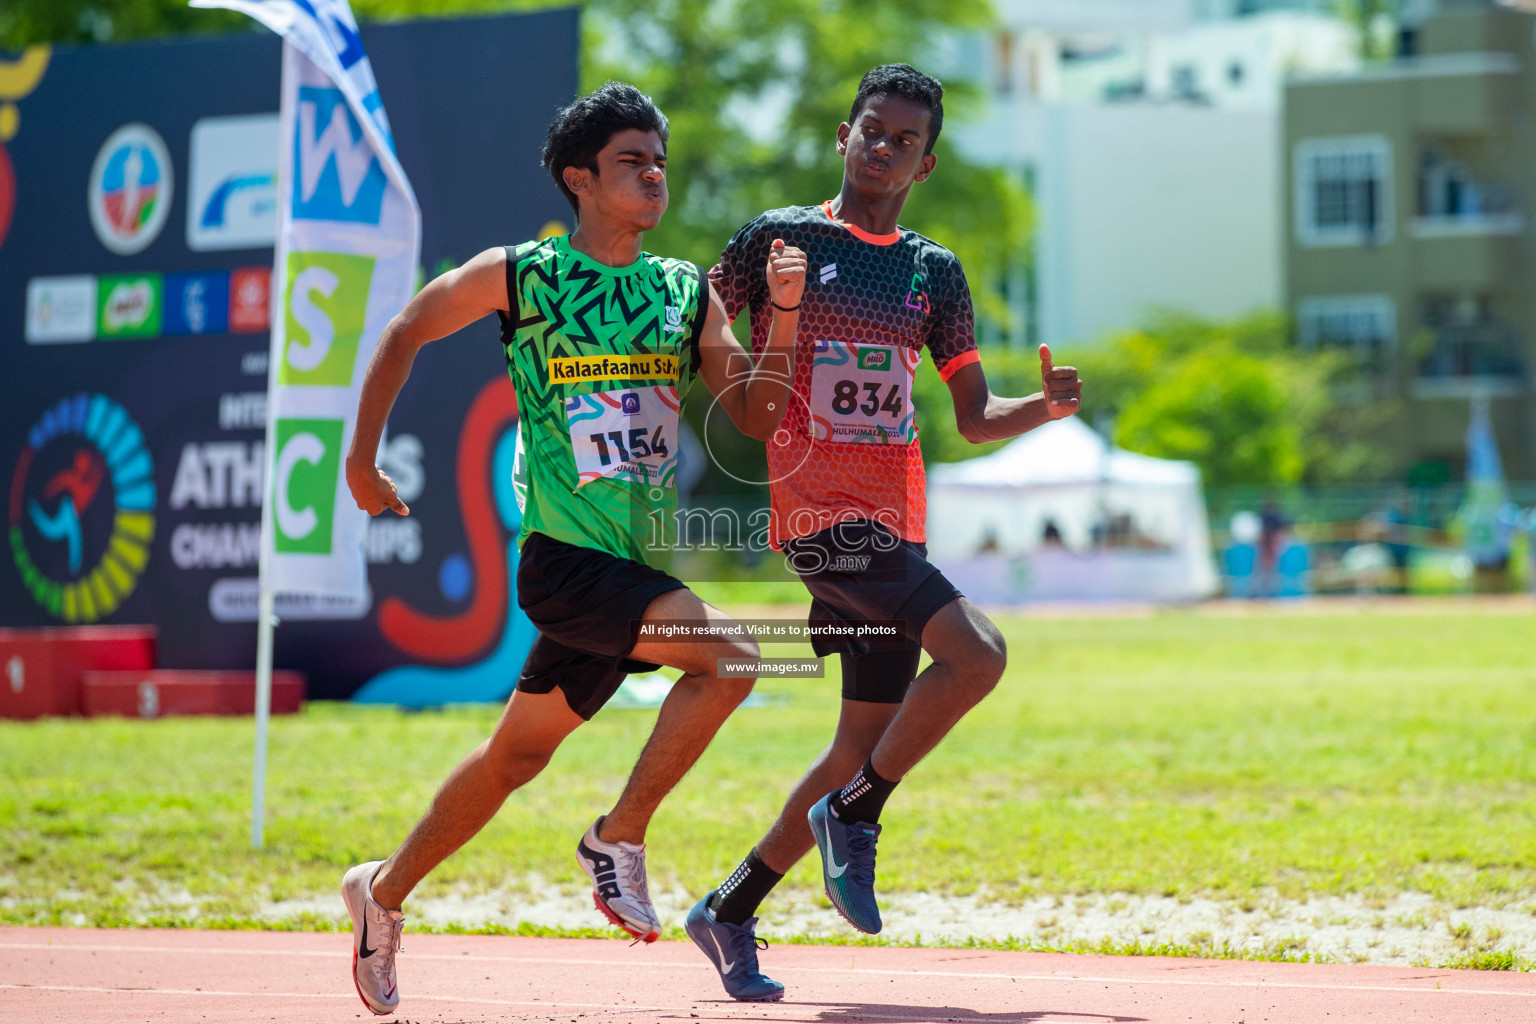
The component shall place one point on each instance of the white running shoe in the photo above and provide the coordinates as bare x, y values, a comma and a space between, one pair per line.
375, 940
617, 871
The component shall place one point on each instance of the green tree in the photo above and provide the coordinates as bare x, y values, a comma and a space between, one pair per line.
24, 22
1375, 19
1227, 411
1240, 400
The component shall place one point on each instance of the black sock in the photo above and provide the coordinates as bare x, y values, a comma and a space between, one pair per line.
864, 797
738, 896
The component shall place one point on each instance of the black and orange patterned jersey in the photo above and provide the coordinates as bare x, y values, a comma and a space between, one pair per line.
848, 445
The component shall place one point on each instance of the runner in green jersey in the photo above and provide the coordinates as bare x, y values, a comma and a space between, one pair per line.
602, 341
601, 395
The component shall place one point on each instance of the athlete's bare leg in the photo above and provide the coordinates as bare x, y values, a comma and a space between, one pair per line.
530, 729
969, 656
693, 712
859, 728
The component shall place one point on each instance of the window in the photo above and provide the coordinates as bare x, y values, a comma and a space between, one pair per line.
1343, 191
1366, 325
1186, 81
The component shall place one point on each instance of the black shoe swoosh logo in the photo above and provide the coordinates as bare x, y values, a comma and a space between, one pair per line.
363, 951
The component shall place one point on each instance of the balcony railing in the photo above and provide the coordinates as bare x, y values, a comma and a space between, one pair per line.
1477, 357
1466, 225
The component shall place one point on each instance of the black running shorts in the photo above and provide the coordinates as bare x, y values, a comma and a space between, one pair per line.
859, 571
586, 604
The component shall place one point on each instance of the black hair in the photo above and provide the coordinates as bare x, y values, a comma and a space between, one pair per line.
580, 131
905, 81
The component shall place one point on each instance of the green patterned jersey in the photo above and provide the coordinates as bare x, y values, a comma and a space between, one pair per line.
602, 358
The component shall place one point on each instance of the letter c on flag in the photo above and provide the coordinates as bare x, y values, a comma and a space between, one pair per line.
296, 524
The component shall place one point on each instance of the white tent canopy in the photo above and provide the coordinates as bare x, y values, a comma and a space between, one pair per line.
1126, 526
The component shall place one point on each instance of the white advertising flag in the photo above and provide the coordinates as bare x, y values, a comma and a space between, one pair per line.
348, 244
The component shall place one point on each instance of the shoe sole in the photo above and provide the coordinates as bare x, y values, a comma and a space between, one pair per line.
346, 897
646, 937
359, 989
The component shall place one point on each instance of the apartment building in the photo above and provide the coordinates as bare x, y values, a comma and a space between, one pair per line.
1410, 187
1149, 133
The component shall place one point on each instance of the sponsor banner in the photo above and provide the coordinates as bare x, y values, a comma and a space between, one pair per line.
147, 510
234, 599
61, 309
232, 183
325, 32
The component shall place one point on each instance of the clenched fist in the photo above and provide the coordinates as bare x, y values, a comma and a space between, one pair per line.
373, 490
786, 274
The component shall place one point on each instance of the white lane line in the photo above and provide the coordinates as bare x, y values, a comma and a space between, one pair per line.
785, 969
754, 1008
415, 996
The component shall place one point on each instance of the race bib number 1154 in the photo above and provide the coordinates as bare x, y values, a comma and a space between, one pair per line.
628, 435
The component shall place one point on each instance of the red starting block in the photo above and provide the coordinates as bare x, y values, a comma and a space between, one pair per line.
41, 669
162, 692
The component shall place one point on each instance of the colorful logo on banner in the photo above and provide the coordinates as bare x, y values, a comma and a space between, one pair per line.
61, 309
82, 508
17, 79
326, 305
129, 306
339, 178
308, 471
130, 189
232, 182
196, 303
250, 299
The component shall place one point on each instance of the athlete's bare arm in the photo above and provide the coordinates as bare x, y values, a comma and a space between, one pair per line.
757, 406
983, 416
452, 301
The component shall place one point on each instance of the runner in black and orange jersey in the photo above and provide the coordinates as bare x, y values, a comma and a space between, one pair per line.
848, 503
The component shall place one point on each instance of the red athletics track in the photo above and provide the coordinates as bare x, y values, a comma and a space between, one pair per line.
75, 975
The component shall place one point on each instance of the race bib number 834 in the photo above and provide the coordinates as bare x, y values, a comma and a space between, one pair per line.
862, 394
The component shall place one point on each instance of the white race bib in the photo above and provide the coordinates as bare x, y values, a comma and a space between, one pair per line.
628, 434
862, 394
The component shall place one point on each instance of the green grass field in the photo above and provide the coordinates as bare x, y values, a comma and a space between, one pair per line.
1185, 754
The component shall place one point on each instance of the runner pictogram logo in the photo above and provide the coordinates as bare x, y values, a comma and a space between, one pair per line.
82, 506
